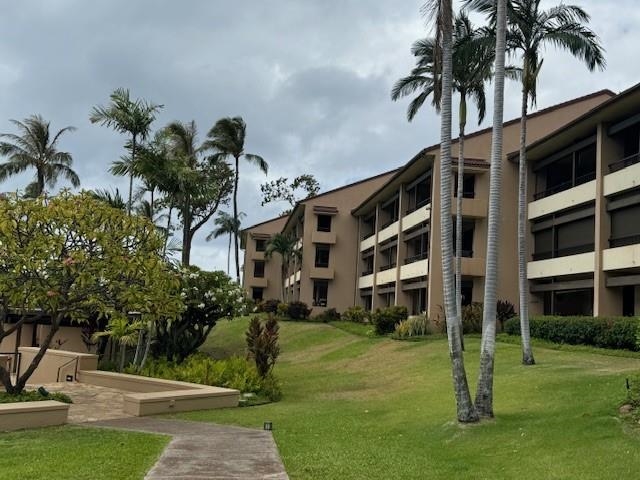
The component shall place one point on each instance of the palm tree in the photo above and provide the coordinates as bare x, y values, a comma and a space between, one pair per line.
285, 245
226, 225
34, 148
484, 392
132, 117
440, 11
112, 198
227, 138
530, 30
123, 331
472, 64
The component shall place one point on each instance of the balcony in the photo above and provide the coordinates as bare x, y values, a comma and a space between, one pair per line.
627, 256
561, 187
564, 252
258, 255
366, 281
473, 267
323, 237
416, 217
321, 273
567, 265
562, 200
472, 207
258, 282
388, 232
386, 276
416, 258
387, 267
625, 175
367, 243
623, 241
414, 269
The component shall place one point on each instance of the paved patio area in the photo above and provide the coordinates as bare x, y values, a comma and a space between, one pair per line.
90, 402
206, 451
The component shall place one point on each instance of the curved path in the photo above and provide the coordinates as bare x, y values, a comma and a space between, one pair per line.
200, 451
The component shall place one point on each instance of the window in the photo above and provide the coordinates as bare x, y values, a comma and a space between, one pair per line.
418, 301
418, 194
367, 264
566, 233
324, 223
629, 300
368, 226
625, 227
468, 185
568, 171
391, 212
466, 290
417, 248
569, 302
389, 257
367, 302
322, 255
468, 227
320, 291
261, 245
258, 268
257, 293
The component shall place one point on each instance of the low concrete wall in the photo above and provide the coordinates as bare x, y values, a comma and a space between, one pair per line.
16, 416
47, 371
155, 395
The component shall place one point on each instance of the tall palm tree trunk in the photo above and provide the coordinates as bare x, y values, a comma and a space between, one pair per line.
523, 283
229, 255
40, 183
460, 188
147, 347
235, 218
133, 160
465, 409
484, 393
186, 234
167, 233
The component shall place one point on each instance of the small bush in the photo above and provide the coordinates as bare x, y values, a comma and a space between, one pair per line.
472, 318
34, 396
505, 310
283, 309
386, 319
417, 326
262, 344
329, 315
603, 332
356, 314
298, 311
268, 306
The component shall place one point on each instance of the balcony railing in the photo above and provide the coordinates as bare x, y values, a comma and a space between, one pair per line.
386, 224
364, 273
421, 203
624, 163
367, 235
416, 258
387, 267
565, 186
564, 252
624, 240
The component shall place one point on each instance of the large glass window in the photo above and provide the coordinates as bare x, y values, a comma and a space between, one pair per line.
418, 301
322, 255
257, 293
625, 226
368, 226
324, 223
261, 245
569, 302
417, 248
389, 257
367, 264
573, 169
419, 195
468, 185
566, 233
390, 212
320, 293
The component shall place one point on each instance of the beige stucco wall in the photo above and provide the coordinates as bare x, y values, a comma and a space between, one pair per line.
21, 415
47, 370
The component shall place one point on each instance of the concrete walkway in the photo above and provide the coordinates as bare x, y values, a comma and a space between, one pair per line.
205, 451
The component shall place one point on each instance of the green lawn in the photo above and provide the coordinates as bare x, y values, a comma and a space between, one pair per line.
356, 407
78, 453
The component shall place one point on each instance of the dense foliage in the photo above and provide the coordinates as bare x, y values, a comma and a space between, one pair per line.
235, 372
356, 314
73, 257
34, 396
208, 297
417, 326
605, 332
386, 319
298, 311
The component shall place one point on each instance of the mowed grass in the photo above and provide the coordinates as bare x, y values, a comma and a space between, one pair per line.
78, 453
374, 408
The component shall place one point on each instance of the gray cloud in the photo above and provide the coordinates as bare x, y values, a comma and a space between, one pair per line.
311, 79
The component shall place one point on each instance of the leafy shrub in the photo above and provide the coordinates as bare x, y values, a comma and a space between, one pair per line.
235, 372
283, 309
208, 297
268, 306
505, 310
472, 317
386, 319
262, 344
356, 314
416, 326
329, 315
298, 311
34, 396
604, 332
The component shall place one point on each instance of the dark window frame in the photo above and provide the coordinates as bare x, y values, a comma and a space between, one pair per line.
321, 250
320, 290
321, 218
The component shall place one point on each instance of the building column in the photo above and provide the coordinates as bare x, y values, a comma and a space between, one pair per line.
374, 288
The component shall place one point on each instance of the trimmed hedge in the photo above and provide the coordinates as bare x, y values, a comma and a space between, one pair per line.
603, 332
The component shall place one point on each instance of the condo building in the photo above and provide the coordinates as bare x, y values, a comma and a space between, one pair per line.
377, 243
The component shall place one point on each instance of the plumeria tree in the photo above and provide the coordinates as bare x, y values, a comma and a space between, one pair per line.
71, 258
208, 297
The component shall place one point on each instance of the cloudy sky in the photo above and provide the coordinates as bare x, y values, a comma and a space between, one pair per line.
310, 77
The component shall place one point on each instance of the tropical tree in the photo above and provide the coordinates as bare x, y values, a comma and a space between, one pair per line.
132, 117
285, 246
282, 189
199, 184
34, 147
226, 225
227, 138
124, 332
440, 12
113, 198
472, 61
530, 29
484, 392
